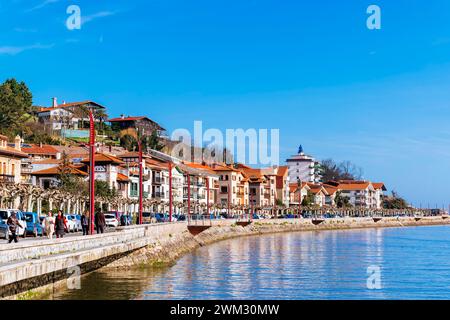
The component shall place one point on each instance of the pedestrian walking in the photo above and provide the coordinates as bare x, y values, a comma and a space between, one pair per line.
100, 222
60, 225
85, 223
49, 225
13, 224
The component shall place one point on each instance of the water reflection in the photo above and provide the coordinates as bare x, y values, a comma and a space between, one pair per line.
304, 265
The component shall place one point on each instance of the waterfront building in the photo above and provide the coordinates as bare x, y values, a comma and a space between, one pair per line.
282, 185
10, 160
200, 176
379, 193
319, 192
107, 167
360, 193
297, 193
234, 181
330, 196
303, 168
51, 177
130, 175
262, 185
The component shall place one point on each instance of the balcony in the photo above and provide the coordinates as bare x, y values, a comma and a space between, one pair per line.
158, 195
6, 178
135, 193
157, 180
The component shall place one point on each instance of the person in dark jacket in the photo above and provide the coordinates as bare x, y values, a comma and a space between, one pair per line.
85, 223
60, 225
100, 222
13, 224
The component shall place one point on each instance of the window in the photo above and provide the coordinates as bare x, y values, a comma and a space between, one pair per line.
13, 169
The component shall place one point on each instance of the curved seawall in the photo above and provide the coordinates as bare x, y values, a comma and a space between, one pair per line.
33, 268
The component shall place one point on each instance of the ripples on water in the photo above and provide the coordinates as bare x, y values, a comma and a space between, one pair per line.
415, 264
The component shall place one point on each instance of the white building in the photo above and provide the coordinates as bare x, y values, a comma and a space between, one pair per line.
67, 116
303, 168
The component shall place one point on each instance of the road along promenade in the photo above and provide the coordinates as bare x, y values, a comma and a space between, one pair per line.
32, 267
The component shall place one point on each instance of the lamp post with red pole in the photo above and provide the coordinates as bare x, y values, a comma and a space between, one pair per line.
170, 191
207, 197
189, 195
299, 196
91, 171
140, 180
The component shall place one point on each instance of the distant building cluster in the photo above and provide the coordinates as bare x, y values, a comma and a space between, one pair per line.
229, 184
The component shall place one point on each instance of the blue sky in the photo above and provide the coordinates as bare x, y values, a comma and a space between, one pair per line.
379, 98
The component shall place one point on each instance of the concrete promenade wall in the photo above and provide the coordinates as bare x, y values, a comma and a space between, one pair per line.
32, 264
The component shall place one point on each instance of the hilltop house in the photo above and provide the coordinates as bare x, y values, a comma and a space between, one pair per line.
128, 125
68, 119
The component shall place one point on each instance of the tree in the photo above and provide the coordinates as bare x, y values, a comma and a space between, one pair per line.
16, 106
308, 200
395, 202
102, 116
152, 142
128, 142
342, 201
346, 170
70, 183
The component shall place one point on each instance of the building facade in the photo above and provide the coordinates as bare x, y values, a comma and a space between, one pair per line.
303, 168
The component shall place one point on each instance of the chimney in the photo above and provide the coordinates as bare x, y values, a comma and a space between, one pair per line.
54, 102
17, 142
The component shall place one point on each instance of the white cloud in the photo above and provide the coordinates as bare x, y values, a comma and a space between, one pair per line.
101, 14
42, 4
13, 50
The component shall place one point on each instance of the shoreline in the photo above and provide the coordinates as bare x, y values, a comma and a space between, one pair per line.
166, 252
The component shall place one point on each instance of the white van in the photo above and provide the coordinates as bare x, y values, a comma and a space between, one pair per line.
21, 230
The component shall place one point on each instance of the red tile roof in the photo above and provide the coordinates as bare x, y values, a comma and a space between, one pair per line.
57, 171
122, 178
379, 185
71, 104
12, 152
44, 149
104, 158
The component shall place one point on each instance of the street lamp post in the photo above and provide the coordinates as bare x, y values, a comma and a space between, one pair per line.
189, 195
140, 180
91, 171
170, 191
207, 197
299, 196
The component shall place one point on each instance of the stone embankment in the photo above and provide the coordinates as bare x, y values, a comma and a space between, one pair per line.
42, 263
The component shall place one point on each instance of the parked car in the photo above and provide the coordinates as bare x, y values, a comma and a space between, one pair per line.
180, 217
21, 230
148, 217
34, 225
71, 224
76, 219
111, 220
117, 214
3, 230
